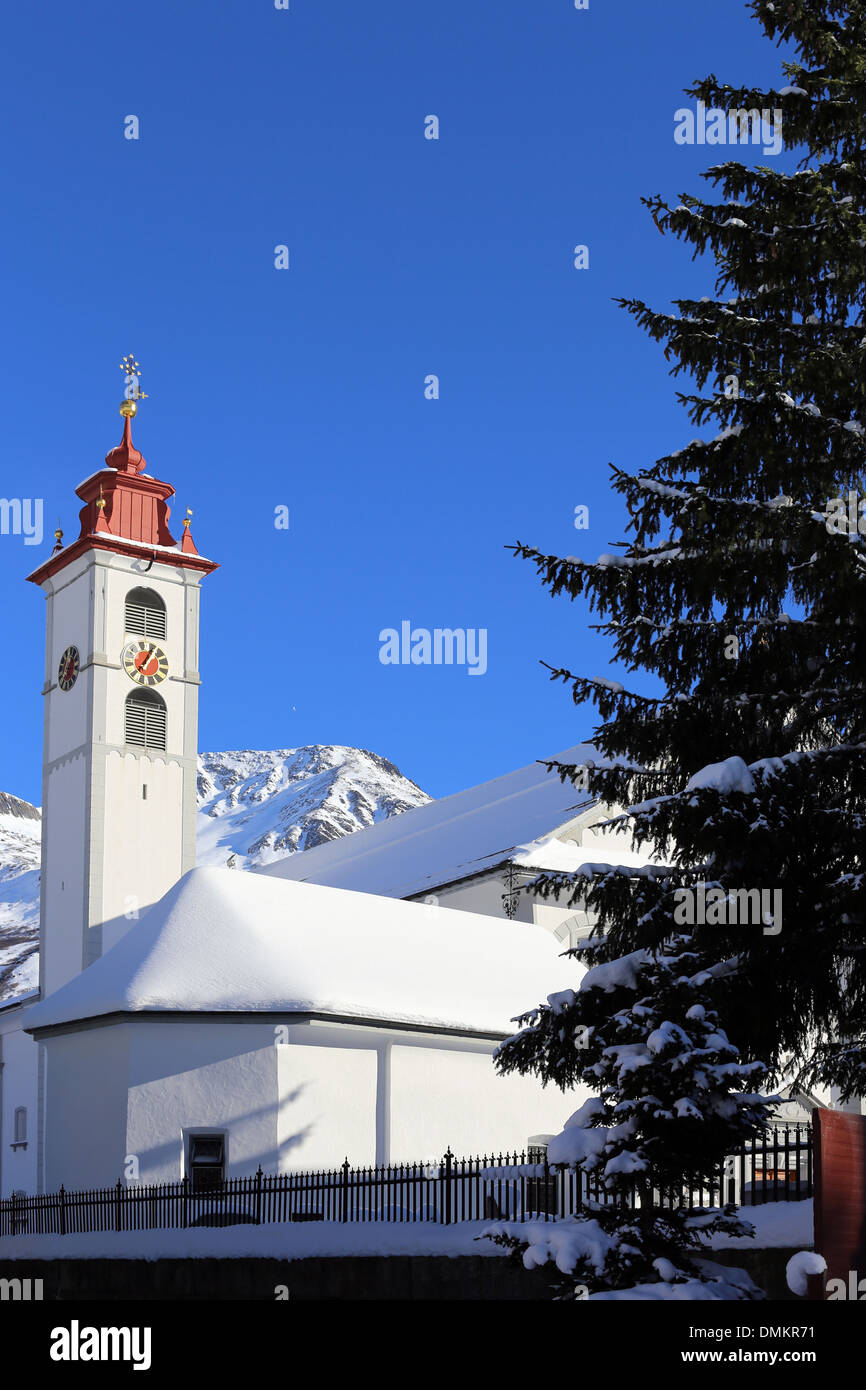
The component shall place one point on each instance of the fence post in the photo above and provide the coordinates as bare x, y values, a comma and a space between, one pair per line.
259, 1196
344, 1194
546, 1188
730, 1180
117, 1196
62, 1195
185, 1200
447, 1180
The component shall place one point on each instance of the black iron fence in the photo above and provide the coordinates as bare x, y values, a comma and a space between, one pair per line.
512, 1187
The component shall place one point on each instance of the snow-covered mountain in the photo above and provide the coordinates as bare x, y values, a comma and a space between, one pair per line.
253, 808
20, 837
257, 807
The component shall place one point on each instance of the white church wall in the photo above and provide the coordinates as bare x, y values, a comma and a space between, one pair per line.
293, 1097
68, 624
327, 1103
129, 881
173, 585
85, 1106
446, 1094
198, 1074
430, 1091
19, 1081
63, 877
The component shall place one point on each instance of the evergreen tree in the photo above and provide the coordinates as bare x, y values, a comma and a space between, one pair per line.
673, 1099
741, 592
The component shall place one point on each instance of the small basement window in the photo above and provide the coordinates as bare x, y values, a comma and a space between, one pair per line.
207, 1164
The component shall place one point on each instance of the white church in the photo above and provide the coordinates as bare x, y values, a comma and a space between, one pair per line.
345, 1003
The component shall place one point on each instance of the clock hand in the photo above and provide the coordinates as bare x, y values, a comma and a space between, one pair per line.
147, 662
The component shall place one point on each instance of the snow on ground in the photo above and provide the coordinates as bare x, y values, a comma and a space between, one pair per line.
778, 1224
293, 1241
729, 1282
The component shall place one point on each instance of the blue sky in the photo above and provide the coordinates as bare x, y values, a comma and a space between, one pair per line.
305, 388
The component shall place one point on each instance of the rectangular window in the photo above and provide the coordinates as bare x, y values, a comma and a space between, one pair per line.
206, 1161
20, 1125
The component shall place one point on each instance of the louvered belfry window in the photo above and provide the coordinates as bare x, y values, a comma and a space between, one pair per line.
145, 720
145, 613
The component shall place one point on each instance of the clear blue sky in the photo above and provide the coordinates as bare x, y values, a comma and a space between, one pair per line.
305, 387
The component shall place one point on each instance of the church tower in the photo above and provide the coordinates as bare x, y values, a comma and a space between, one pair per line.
121, 710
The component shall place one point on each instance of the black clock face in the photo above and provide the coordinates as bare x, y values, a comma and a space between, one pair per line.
145, 663
67, 671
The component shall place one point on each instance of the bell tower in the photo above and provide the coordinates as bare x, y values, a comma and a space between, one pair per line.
121, 709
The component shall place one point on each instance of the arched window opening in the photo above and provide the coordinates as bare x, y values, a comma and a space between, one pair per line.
145, 720
145, 613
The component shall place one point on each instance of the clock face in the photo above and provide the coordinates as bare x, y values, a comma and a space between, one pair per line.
145, 663
67, 671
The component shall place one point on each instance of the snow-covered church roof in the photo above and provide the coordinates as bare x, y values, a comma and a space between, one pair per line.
228, 941
449, 839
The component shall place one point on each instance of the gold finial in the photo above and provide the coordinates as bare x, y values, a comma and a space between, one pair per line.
100, 501
131, 369
187, 518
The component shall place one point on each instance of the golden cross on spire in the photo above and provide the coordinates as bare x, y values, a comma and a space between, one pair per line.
131, 368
